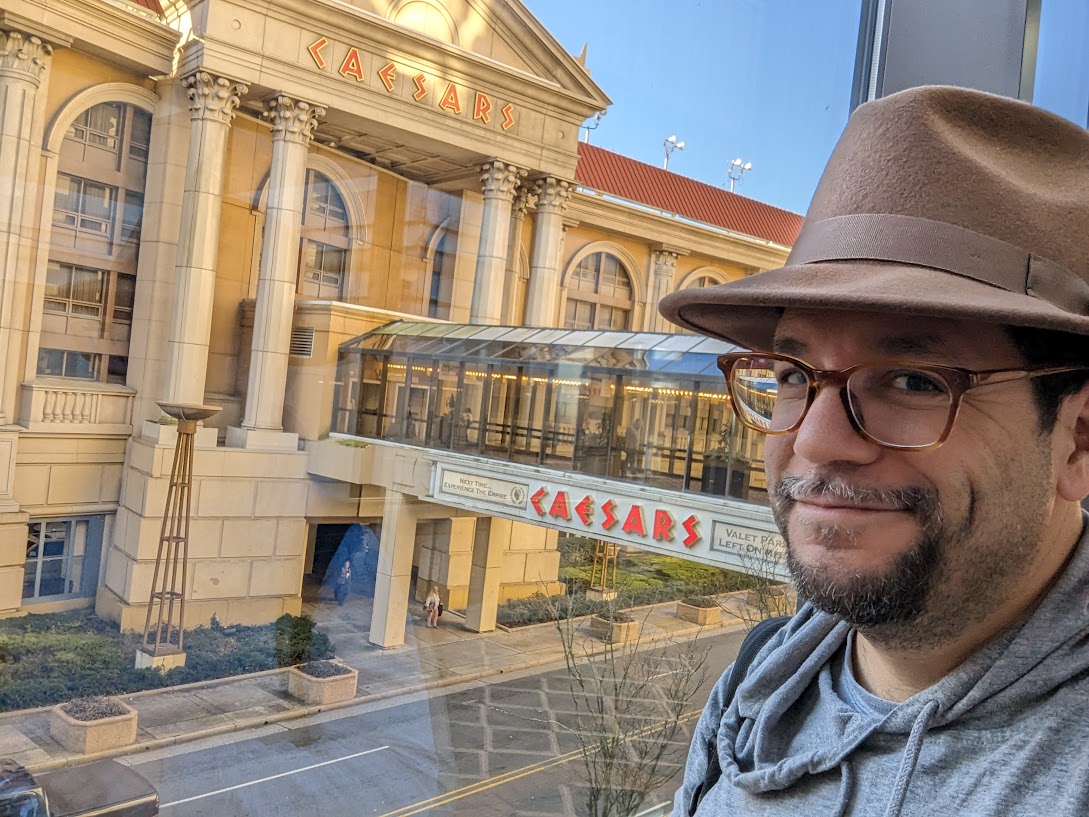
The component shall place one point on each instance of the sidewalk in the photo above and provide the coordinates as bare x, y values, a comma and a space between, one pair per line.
429, 659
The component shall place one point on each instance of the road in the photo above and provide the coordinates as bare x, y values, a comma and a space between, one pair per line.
501, 747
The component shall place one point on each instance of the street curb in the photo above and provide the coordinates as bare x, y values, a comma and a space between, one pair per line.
301, 712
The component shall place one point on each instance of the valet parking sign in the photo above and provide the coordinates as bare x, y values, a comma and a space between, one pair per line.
631, 519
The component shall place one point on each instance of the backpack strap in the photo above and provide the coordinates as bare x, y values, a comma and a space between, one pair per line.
754, 641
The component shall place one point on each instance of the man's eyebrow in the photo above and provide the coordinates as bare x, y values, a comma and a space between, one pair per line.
912, 346
788, 346
901, 346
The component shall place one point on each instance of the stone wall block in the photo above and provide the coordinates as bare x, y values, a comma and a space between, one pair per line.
220, 578
248, 538
225, 498
280, 498
276, 577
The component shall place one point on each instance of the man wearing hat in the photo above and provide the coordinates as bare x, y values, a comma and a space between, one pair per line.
919, 370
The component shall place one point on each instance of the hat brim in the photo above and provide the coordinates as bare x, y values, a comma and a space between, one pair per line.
747, 311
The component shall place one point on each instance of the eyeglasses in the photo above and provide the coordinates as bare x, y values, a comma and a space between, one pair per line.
895, 404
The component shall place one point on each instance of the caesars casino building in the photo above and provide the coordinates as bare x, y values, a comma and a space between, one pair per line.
368, 232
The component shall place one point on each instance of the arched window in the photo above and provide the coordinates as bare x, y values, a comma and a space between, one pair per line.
98, 210
702, 281
323, 256
599, 294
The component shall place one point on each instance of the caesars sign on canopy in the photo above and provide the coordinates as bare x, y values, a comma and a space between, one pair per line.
627, 517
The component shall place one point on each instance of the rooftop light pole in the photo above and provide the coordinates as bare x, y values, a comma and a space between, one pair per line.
588, 127
671, 144
735, 170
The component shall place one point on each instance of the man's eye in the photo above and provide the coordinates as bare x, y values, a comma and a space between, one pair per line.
792, 377
916, 382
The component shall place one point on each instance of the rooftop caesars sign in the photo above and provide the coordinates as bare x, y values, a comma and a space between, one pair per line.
478, 106
653, 523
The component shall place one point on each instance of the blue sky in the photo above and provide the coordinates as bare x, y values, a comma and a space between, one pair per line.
766, 80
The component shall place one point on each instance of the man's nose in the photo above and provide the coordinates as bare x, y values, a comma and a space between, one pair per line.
827, 433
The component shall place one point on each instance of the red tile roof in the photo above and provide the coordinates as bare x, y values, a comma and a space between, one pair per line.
617, 175
150, 5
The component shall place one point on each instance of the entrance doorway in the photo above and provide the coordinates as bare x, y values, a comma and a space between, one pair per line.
356, 542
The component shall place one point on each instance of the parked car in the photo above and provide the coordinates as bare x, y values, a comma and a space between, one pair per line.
103, 789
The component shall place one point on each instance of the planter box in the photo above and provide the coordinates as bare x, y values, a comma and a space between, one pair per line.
702, 616
321, 691
777, 600
614, 632
87, 737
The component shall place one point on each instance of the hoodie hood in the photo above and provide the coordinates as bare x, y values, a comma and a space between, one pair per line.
787, 721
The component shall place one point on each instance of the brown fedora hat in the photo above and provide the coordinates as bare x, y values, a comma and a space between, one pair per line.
936, 201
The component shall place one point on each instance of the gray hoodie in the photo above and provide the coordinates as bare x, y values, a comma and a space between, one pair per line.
1004, 734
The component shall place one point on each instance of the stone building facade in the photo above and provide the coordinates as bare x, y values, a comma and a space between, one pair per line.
202, 200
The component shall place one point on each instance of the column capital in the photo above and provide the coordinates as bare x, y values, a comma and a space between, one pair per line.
551, 194
213, 98
665, 261
23, 55
292, 120
523, 199
499, 179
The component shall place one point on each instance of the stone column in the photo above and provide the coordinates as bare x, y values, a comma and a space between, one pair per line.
542, 300
212, 104
499, 180
23, 61
392, 584
665, 266
293, 124
493, 538
514, 286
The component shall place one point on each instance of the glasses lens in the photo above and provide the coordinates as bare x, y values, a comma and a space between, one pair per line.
900, 406
768, 394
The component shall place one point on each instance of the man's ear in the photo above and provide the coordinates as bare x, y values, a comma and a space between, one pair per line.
1072, 477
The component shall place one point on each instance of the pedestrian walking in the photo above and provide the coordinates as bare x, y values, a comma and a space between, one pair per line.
433, 607
344, 582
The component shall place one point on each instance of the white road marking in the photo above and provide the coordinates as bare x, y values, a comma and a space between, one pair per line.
271, 777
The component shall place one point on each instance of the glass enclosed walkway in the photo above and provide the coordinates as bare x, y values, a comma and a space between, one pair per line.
637, 407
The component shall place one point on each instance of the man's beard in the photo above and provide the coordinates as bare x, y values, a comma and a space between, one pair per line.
886, 600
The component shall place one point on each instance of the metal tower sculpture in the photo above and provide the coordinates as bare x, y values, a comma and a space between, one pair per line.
163, 644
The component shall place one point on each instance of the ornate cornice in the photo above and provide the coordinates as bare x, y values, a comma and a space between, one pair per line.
499, 179
23, 55
551, 194
292, 119
215, 99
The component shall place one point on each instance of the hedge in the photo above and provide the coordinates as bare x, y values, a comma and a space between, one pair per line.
52, 658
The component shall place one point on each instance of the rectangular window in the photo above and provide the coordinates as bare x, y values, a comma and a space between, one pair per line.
117, 370
99, 126
140, 135
124, 297
74, 290
84, 205
578, 315
67, 363
322, 270
132, 215
62, 557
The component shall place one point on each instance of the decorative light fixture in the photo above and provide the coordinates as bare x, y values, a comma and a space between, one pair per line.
671, 144
163, 644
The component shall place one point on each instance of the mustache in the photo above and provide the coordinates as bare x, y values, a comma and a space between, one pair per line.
914, 499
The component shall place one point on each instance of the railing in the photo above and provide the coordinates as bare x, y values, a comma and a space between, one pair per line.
65, 406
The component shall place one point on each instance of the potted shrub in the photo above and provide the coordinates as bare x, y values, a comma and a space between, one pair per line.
614, 627
701, 610
88, 725
320, 683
